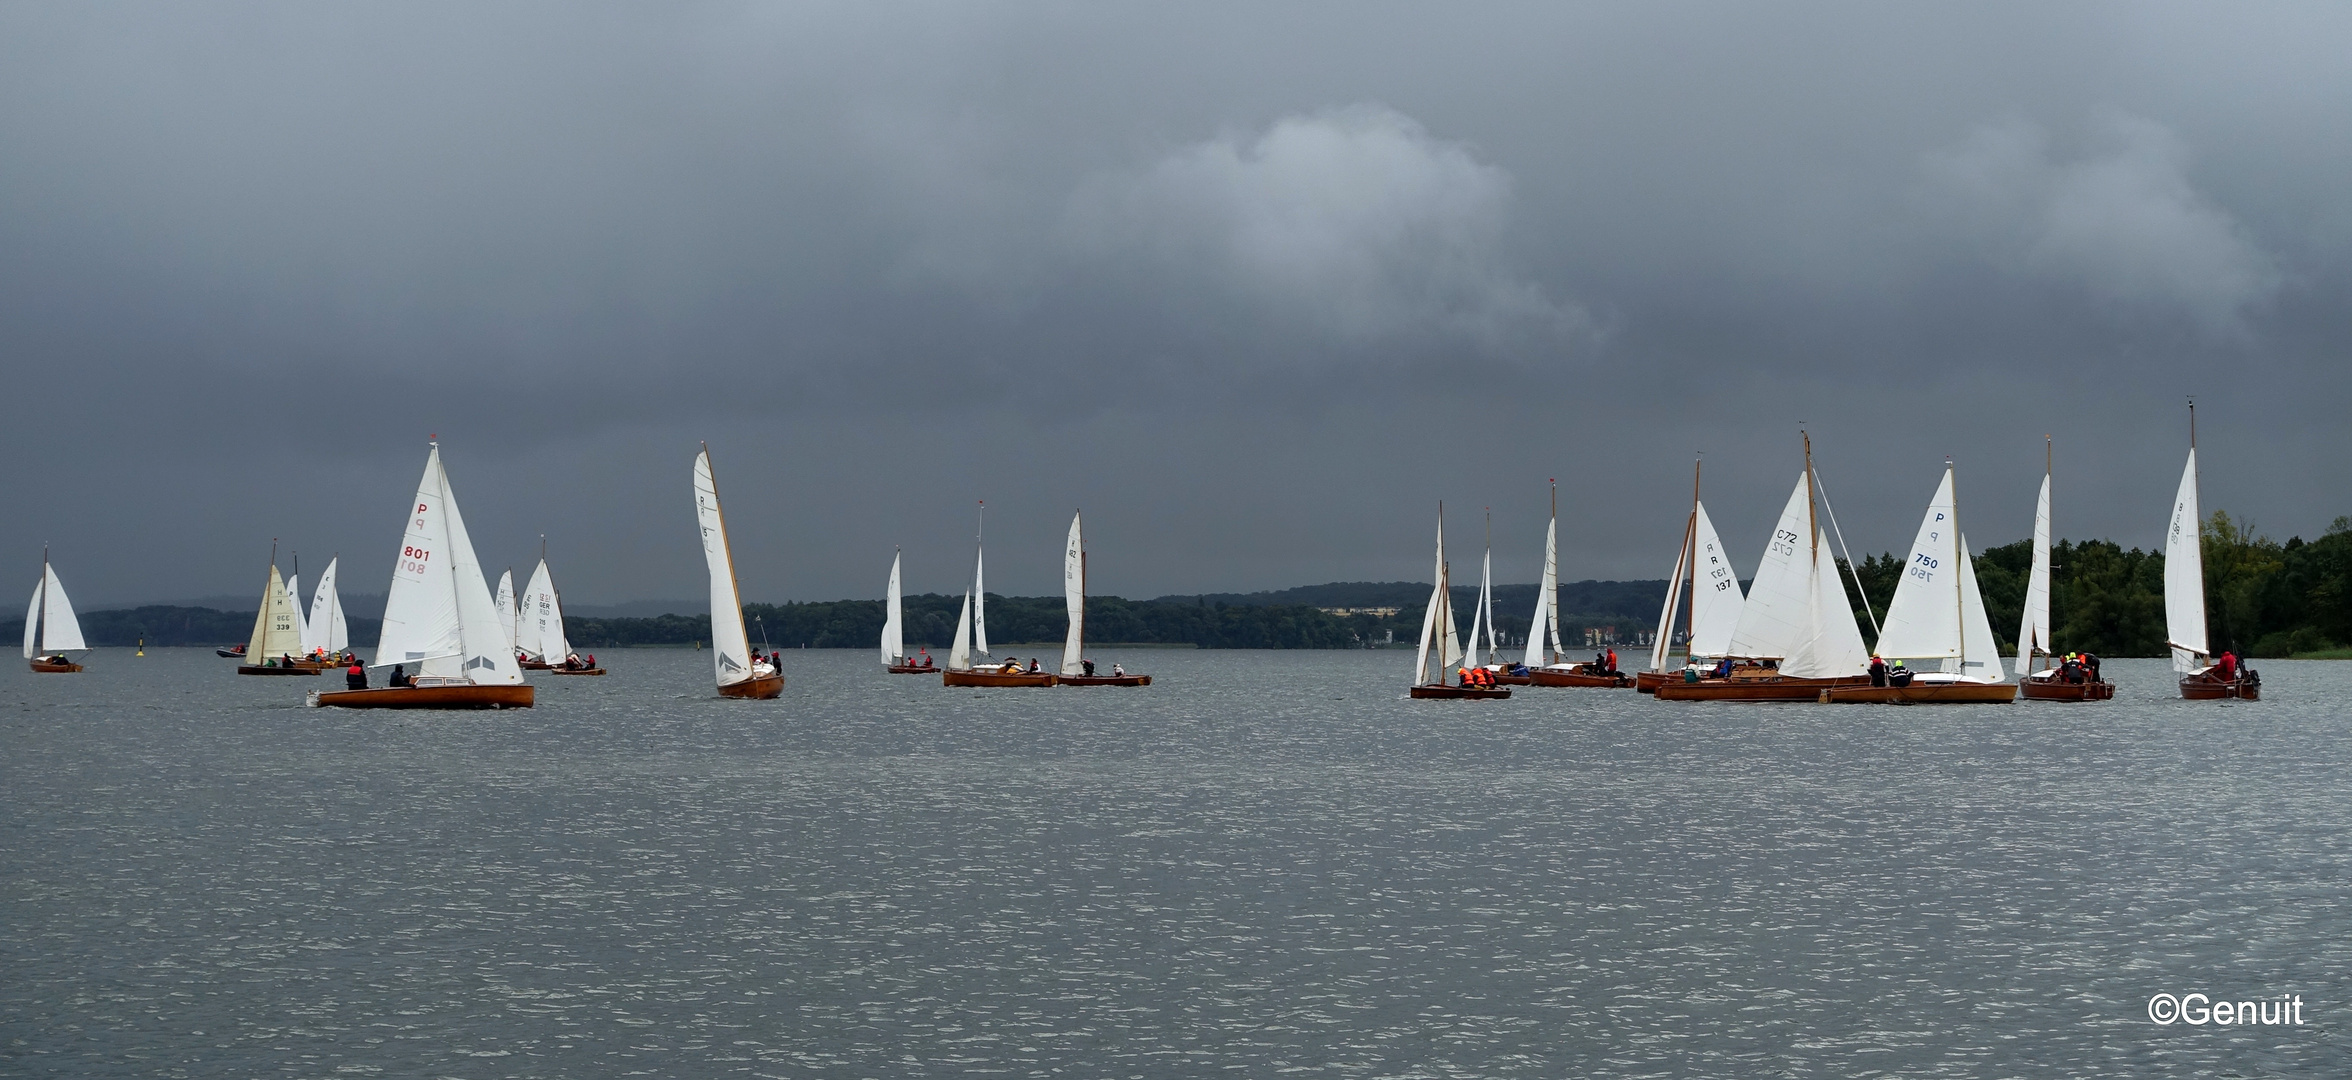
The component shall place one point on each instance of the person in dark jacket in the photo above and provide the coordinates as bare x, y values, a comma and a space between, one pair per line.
356, 677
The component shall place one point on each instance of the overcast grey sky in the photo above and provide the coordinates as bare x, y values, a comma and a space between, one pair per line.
1254, 285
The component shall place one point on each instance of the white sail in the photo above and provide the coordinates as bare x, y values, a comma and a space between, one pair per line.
1716, 599
294, 600
1980, 655
541, 620
1923, 620
1777, 618
2033, 630
505, 599
730, 646
2184, 576
1662, 643
275, 632
1074, 598
1834, 645
959, 655
59, 630
438, 613
1482, 623
979, 603
893, 626
1545, 626
326, 624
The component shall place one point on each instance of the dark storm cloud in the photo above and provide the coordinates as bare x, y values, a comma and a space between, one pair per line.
1254, 287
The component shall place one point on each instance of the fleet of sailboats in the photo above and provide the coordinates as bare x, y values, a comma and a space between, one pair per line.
51, 632
441, 628
1440, 650
971, 636
739, 673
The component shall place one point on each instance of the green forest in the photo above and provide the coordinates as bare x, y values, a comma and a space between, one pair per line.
2263, 598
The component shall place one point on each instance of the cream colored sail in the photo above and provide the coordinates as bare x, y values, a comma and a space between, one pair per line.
959, 655
275, 633
326, 626
438, 613
2033, 631
2184, 576
1074, 598
50, 625
893, 623
1715, 597
730, 645
505, 599
541, 620
1544, 628
1778, 618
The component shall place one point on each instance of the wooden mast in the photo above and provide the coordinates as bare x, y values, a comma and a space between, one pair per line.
1690, 548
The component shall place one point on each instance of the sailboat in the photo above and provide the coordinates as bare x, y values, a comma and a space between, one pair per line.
894, 655
1076, 669
740, 675
1543, 629
539, 631
971, 637
2033, 630
277, 632
325, 632
1938, 615
440, 624
2201, 679
51, 631
1703, 573
1796, 634
1481, 649
1438, 642
294, 598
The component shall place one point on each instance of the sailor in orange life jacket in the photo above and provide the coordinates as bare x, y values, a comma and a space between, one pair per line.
1612, 660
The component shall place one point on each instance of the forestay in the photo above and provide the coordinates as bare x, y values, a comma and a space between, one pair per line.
730, 646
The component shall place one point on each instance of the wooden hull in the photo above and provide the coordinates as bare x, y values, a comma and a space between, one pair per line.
2202, 686
294, 669
1439, 691
759, 689
2040, 689
533, 665
1922, 693
1648, 682
517, 696
1507, 679
577, 671
1756, 688
1102, 680
40, 668
1578, 676
912, 669
997, 678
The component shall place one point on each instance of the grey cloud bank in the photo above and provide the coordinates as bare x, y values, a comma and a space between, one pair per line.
1253, 287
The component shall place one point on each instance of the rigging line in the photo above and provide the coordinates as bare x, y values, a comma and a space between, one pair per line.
1852, 570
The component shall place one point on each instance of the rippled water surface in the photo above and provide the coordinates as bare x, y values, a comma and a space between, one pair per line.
1268, 863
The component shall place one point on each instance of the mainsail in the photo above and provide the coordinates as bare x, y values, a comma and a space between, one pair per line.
2033, 630
50, 625
275, 631
506, 607
438, 613
326, 628
1544, 628
2184, 576
893, 625
980, 603
730, 646
1074, 598
1937, 612
1778, 616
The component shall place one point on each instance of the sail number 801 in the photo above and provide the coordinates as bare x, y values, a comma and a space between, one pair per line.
413, 559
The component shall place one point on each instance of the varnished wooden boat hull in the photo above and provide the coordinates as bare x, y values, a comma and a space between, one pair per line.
759, 689
1922, 693
1648, 682
1759, 688
1102, 680
260, 669
1441, 691
2039, 689
1577, 677
997, 678
40, 668
2203, 687
1507, 679
576, 671
533, 665
517, 696
911, 669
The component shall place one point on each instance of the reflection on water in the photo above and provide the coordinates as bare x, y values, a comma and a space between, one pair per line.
1267, 862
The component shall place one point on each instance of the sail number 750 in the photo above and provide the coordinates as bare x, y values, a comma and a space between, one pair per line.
1924, 567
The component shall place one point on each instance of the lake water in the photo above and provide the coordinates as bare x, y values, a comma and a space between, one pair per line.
1269, 863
